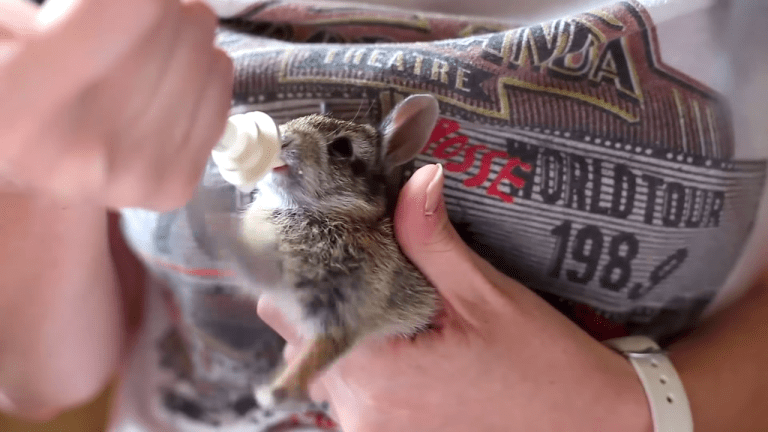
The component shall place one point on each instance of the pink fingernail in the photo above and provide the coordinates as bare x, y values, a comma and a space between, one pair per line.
434, 193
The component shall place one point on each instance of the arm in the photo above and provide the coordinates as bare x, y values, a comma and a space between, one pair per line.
59, 291
134, 96
723, 365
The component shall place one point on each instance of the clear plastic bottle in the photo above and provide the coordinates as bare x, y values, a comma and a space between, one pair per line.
248, 149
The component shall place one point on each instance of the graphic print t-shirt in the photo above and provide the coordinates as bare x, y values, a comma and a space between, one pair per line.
580, 159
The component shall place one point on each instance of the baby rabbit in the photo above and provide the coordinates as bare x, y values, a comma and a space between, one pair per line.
320, 237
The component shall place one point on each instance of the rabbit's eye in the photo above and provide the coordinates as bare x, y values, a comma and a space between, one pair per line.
340, 147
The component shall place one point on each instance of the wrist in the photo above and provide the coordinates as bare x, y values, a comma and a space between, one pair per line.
666, 397
59, 291
633, 412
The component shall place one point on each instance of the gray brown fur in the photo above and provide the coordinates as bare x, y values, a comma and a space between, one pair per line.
332, 237
350, 274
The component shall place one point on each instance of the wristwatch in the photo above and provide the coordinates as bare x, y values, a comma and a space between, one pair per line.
670, 409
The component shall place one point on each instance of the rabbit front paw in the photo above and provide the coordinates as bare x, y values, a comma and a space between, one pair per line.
269, 396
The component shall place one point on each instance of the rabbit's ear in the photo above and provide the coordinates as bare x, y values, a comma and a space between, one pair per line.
407, 128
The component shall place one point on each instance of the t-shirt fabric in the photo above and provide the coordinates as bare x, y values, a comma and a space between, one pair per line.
577, 161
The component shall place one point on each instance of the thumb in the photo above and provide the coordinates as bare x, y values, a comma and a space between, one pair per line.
427, 237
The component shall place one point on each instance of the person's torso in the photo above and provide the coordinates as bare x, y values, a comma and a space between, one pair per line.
576, 161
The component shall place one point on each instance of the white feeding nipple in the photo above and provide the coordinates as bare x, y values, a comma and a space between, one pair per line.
248, 149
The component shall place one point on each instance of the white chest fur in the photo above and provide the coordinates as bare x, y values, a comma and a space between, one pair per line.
263, 236
257, 229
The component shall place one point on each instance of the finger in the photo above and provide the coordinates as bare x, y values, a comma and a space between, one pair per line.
75, 42
17, 21
427, 237
136, 78
205, 130
188, 60
93, 34
271, 314
210, 116
185, 118
17, 18
341, 399
136, 81
189, 72
6, 404
180, 157
318, 392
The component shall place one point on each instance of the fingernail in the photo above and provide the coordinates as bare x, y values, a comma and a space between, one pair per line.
434, 192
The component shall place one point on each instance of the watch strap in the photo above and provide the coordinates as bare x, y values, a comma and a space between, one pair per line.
670, 409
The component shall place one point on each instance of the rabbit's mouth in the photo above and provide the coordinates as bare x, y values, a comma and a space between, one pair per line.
286, 178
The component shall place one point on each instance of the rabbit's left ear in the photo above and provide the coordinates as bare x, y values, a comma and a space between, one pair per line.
407, 128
